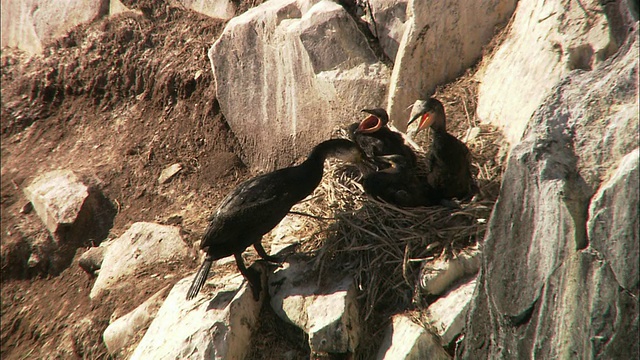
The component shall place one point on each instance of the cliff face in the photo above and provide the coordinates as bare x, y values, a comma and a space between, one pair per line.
560, 274
162, 88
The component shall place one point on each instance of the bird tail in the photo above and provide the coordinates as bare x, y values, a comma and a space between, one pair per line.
200, 278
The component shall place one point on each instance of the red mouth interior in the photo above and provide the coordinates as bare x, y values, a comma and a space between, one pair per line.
369, 125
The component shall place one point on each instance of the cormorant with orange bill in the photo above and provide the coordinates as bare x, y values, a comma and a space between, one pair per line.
376, 139
448, 160
257, 205
398, 184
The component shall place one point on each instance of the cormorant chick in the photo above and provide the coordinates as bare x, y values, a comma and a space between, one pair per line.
449, 160
376, 139
397, 184
257, 205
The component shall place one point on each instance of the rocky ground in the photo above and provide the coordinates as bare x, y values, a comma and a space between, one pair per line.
118, 101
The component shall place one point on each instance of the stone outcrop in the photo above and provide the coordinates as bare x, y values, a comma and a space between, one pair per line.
75, 213
553, 283
614, 222
120, 332
288, 72
217, 327
386, 19
328, 315
30, 24
407, 340
58, 197
437, 276
91, 260
447, 315
441, 40
545, 41
217, 9
142, 245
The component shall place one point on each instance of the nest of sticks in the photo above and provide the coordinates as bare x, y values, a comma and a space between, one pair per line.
383, 246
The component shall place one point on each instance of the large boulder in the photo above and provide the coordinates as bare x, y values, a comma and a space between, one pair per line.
217, 9
124, 329
287, 72
75, 212
547, 288
546, 40
30, 24
406, 340
441, 40
447, 314
386, 20
614, 222
208, 327
143, 245
329, 315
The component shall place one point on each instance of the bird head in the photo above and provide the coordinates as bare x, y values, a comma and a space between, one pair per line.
396, 162
350, 152
377, 119
430, 112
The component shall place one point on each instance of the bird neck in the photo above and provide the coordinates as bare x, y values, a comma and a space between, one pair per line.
318, 155
312, 168
439, 124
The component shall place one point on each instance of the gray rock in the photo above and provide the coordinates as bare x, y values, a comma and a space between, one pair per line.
287, 73
545, 290
121, 332
142, 245
168, 173
328, 315
75, 214
386, 19
58, 197
447, 315
217, 9
406, 340
209, 327
614, 222
441, 40
545, 42
91, 260
439, 275
30, 24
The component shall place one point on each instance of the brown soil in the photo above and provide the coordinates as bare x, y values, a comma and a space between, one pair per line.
116, 101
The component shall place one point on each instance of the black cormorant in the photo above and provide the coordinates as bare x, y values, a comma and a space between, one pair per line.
376, 139
449, 160
257, 205
397, 184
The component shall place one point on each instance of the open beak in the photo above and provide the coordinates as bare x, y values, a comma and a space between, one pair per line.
369, 125
366, 165
425, 121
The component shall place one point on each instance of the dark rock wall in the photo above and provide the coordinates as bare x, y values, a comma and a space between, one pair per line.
555, 285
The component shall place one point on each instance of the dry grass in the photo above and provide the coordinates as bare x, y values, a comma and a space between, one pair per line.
383, 246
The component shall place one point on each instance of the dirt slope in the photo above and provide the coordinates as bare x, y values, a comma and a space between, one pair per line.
116, 101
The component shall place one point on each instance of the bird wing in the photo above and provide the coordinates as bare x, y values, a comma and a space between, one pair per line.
267, 197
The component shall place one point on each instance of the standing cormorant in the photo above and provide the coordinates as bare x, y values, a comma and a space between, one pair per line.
376, 139
449, 160
257, 205
397, 184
